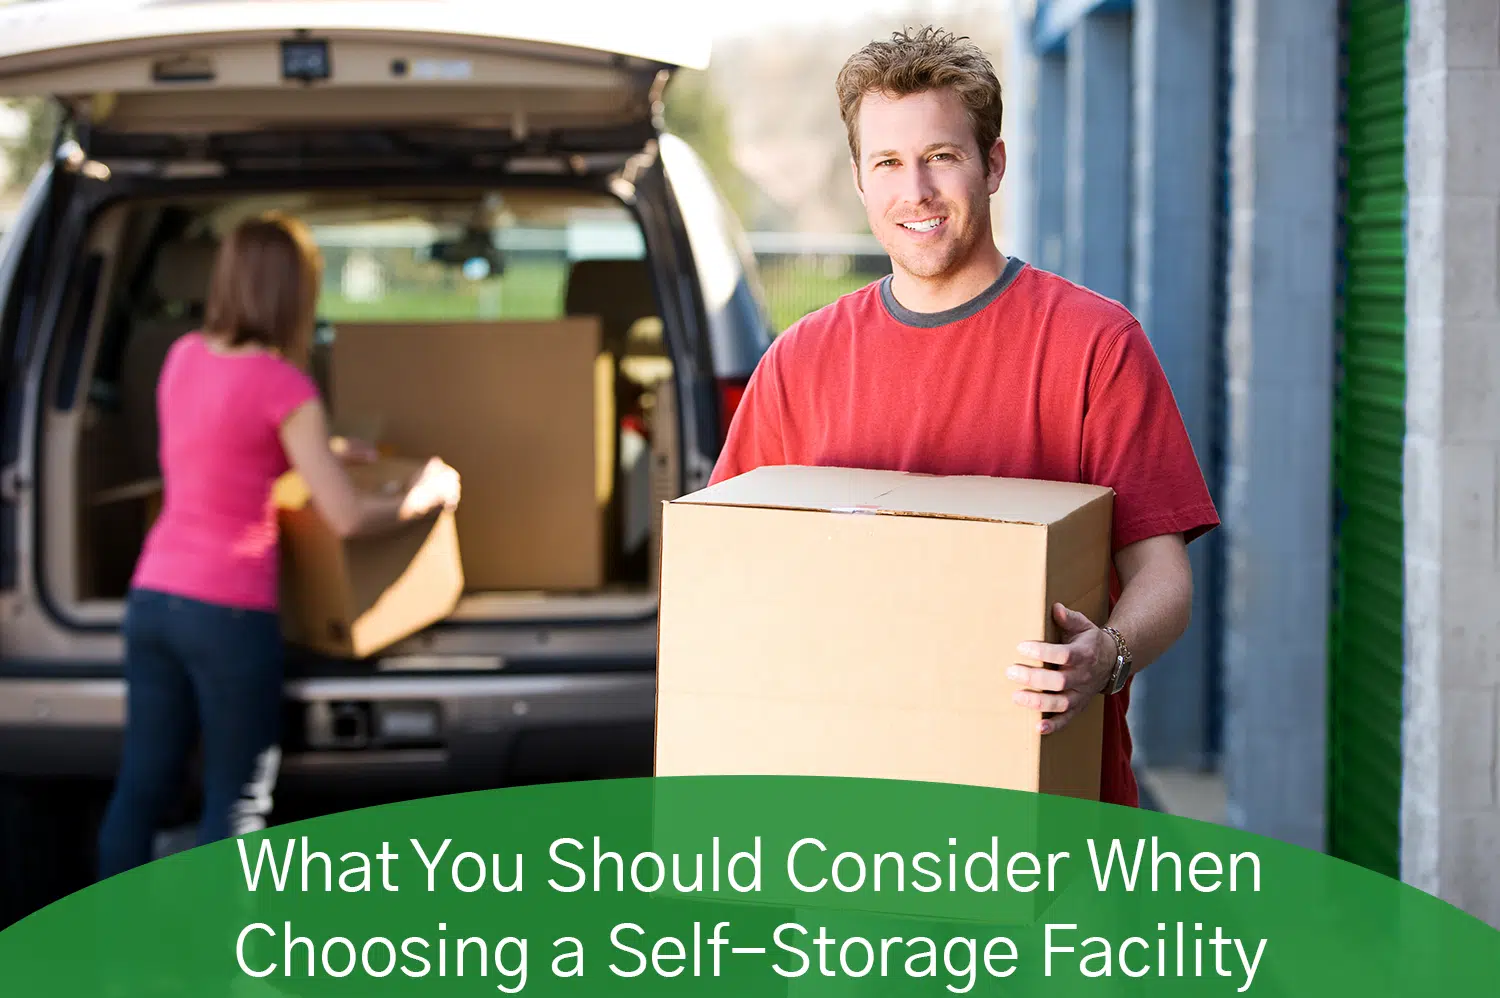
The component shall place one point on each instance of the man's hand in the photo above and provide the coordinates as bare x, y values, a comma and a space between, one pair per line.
1155, 604
1084, 659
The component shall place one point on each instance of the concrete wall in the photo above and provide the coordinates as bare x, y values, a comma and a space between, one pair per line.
1280, 371
1451, 804
1175, 176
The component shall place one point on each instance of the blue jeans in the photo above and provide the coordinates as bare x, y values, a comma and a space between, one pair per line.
194, 671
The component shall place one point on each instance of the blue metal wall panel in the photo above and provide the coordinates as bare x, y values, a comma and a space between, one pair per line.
1055, 18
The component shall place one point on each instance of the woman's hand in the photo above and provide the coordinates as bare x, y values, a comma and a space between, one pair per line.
349, 511
437, 484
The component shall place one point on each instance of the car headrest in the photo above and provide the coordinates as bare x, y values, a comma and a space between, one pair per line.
618, 291
183, 270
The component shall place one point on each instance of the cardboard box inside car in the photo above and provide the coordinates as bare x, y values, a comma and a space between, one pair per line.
523, 410
841, 622
350, 598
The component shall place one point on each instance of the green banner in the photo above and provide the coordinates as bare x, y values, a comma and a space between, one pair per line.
750, 886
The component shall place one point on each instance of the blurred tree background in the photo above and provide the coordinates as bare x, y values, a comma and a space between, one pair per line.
29, 150
695, 113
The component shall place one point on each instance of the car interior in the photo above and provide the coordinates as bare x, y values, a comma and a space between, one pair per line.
514, 333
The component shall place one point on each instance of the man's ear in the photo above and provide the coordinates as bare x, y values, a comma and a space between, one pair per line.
996, 165
854, 172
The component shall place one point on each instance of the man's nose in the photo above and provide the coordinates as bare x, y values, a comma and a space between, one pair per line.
917, 184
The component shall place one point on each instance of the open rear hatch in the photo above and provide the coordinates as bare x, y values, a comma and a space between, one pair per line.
174, 79
176, 88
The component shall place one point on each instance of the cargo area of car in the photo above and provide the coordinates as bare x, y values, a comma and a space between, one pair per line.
512, 331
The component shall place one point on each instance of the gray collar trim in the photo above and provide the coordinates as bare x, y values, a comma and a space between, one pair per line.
972, 307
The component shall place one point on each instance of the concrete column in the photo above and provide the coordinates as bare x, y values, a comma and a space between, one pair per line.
1097, 250
1050, 165
1279, 354
1174, 207
1451, 800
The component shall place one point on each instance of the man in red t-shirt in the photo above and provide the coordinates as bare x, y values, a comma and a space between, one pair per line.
966, 362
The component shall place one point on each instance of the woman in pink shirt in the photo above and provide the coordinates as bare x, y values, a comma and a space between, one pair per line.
203, 646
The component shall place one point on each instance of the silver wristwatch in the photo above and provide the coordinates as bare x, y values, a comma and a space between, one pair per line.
1120, 675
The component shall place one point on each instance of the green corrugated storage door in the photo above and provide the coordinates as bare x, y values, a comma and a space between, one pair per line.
1370, 423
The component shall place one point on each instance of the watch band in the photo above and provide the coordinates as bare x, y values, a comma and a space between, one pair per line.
1120, 674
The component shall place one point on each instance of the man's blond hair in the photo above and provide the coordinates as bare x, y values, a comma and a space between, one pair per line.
931, 59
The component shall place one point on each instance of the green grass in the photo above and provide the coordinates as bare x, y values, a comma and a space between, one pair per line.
525, 291
534, 290
795, 288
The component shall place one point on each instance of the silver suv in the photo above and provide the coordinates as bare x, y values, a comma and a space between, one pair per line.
458, 162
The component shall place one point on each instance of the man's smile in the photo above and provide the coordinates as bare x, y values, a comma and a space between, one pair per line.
925, 225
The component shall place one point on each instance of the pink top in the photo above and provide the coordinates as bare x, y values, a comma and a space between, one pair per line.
220, 416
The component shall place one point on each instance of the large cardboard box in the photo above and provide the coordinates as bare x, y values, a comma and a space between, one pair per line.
841, 622
524, 411
350, 598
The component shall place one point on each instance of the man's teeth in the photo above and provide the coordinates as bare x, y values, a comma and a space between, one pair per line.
926, 226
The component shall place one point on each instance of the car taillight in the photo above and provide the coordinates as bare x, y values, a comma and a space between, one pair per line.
731, 391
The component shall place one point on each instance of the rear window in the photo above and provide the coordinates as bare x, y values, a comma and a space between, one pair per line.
411, 269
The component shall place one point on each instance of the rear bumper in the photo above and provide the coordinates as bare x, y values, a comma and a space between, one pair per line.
373, 735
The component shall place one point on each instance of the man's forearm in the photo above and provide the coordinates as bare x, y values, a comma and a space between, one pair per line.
1156, 601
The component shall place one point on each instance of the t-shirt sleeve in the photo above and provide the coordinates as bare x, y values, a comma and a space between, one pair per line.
286, 389
1135, 442
755, 434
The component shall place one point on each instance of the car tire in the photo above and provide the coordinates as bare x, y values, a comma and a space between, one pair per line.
47, 850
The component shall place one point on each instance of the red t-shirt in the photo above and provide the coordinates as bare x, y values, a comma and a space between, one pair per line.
1035, 378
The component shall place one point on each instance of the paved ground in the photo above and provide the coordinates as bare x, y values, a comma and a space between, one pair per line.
1186, 792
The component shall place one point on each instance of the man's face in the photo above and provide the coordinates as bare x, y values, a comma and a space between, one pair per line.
923, 180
